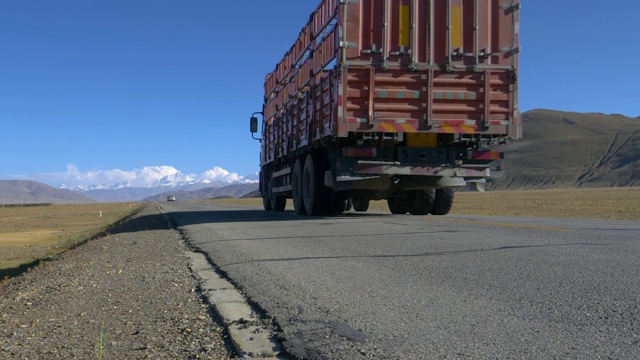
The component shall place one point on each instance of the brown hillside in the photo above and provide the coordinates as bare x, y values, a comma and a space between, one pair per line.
32, 192
564, 150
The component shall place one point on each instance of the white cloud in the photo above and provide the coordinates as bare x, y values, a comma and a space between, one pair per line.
219, 174
148, 176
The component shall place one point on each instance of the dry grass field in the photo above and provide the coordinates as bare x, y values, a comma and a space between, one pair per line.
28, 234
592, 203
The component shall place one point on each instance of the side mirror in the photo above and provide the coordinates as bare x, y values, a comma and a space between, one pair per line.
253, 124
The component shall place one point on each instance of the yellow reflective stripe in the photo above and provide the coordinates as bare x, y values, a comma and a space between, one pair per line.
457, 129
404, 24
468, 129
408, 128
388, 128
456, 27
396, 128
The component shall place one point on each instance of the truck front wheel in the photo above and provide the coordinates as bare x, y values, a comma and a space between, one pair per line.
265, 179
278, 203
266, 202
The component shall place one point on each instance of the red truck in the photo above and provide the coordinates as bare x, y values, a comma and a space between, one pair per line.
403, 100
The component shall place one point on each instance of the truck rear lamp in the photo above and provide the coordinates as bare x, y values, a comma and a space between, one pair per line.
359, 152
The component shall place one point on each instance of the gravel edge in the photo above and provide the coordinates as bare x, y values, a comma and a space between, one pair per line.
129, 294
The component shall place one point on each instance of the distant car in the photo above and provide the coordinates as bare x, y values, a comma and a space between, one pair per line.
171, 198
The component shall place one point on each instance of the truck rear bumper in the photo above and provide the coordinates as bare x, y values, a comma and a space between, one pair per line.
385, 176
386, 168
378, 175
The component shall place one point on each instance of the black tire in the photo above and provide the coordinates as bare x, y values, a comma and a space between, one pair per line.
278, 203
296, 185
423, 202
443, 201
401, 204
266, 203
314, 193
360, 205
265, 178
339, 202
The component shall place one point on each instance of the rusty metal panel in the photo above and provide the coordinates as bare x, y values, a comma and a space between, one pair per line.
418, 33
444, 66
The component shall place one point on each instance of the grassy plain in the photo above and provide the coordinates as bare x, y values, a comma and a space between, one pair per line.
588, 203
28, 234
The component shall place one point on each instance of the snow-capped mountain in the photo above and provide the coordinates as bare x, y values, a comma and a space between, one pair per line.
176, 179
86, 188
254, 177
123, 185
80, 188
150, 181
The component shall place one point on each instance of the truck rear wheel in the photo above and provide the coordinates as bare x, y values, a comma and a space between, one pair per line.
424, 202
339, 202
360, 205
443, 201
315, 194
401, 204
296, 185
349, 205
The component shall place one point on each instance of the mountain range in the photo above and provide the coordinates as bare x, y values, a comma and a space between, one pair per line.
31, 192
235, 191
219, 183
174, 184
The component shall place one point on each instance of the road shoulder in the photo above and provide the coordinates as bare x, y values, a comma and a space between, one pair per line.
130, 294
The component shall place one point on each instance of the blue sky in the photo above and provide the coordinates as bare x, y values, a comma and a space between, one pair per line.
90, 86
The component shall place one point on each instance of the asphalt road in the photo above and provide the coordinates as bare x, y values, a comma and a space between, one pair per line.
412, 287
